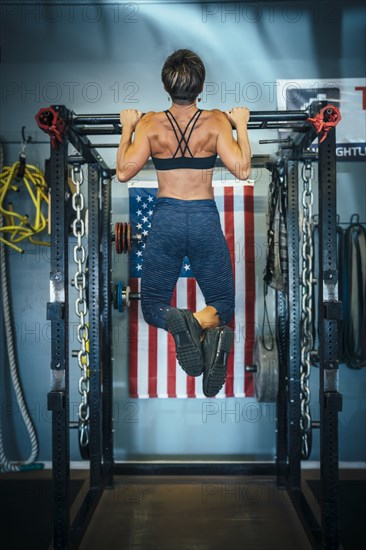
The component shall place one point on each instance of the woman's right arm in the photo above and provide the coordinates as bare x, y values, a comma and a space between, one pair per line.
235, 154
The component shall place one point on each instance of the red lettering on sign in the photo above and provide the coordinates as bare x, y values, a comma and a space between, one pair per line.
363, 90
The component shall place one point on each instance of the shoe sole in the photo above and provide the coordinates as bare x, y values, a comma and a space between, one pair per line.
216, 377
189, 357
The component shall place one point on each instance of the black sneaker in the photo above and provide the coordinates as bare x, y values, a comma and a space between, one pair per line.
216, 349
186, 332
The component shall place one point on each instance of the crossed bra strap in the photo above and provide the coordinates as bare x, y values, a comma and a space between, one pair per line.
183, 138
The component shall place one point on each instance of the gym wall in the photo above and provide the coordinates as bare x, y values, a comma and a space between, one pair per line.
103, 58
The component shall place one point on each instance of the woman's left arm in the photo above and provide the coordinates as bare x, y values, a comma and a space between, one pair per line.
132, 155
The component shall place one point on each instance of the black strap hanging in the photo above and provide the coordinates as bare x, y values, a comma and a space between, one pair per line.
270, 346
340, 261
354, 295
276, 268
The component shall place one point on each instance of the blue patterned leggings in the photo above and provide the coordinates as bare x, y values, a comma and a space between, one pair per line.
189, 228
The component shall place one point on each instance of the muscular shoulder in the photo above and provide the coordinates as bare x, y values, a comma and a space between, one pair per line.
220, 117
146, 118
150, 120
218, 120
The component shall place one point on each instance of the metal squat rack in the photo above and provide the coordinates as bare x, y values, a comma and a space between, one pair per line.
64, 126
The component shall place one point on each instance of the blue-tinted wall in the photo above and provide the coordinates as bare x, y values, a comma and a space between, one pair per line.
102, 58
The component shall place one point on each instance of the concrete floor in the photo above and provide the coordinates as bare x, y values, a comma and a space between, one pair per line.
195, 513
176, 512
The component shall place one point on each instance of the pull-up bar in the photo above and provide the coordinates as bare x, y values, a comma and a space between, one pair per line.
255, 117
319, 116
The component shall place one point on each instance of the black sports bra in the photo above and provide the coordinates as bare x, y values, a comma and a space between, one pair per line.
197, 163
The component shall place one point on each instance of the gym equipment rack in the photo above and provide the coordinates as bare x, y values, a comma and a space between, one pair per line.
66, 127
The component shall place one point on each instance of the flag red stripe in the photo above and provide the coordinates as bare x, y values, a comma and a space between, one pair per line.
249, 285
191, 304
172, 374
153, 362
230, 238
133, 340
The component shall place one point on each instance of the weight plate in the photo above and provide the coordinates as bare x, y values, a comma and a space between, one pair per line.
116, 238
120, 297
127, 296
122, 234
129, 237
121, 250
122, 238
266, 376
115, 301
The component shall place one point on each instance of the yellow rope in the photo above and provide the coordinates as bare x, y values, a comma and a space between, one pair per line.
17, 226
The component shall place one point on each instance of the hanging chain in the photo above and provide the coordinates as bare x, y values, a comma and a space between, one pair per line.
307, 175
81, 309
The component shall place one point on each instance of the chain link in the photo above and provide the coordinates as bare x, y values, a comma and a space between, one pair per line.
307, 175
81, 308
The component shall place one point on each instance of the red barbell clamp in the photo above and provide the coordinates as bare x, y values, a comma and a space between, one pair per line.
327, 118
50, 122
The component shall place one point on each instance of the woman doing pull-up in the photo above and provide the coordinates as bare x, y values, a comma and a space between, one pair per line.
183, 143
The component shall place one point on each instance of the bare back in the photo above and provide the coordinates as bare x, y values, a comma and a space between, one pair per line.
182, 183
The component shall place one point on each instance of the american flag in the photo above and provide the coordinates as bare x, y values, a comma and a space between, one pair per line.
153, 368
